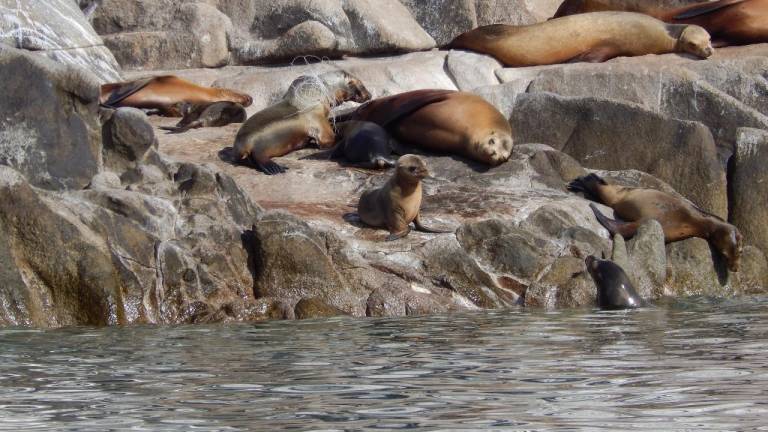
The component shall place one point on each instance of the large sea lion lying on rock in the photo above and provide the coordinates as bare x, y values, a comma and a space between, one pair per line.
299, 119
208, 115
729, 22
592, 37
446, 121
679, 218
166, 94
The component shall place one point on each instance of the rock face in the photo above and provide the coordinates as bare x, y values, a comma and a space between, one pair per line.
749, 186
58, 30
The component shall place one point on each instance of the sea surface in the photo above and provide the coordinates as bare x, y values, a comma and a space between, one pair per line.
694, 365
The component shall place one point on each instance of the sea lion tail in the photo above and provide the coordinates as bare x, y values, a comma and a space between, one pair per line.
587, 185
625, 229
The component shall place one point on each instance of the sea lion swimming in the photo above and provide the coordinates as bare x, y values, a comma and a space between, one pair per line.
446, 121
298, 120
679, 218
591, 37
614, 289
208, 115
398, 203
364, 145
729, 22
166, 94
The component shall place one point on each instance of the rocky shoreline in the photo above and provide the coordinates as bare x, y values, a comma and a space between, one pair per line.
106, 219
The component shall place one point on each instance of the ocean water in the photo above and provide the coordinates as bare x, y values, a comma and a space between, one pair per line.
694, 365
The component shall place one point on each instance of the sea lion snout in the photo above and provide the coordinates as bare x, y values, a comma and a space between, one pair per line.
695, 40
495, 149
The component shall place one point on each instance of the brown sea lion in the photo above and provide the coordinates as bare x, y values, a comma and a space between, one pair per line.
396, 204
364, 145
729, 22
166, 94
591, 37
446, 121
208, 115
299, 119
680, 219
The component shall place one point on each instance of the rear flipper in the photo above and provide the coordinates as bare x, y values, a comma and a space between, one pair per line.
704, 8
180, 129
625, 229
587, 185
422, 228
395, 236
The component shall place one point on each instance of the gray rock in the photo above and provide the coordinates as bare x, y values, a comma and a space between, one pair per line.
127, 137
648, 260
749, 187
471, 70
308, 308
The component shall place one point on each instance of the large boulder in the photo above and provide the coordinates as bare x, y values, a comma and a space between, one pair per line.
749, 187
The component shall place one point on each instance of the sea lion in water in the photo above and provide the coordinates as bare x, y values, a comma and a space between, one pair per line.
396, 204
592, 37
365, 145
299, 119
679, 218
166, 94
446, 121
614, 290
208, 115
729, 22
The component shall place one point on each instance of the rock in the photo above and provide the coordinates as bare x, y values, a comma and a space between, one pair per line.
58, 31
309, 308
648, 260
557, 287
443, 19
683, 153
380, 27
49, 129
105, 180
471, 70
749, 187
693, 269
753, 275
127, 136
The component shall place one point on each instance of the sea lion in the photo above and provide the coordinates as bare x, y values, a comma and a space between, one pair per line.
166, 94
299, 119
729, 22
614, 290
396, 204
208, 115
679, 218
364, 145
446, 121
592, 37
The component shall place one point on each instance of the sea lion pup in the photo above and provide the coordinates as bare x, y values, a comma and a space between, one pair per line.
679, 218
592, 37
729, 22
396, 204
208, 115
446, 121
364, 145
614, 290
299, 119
166, 94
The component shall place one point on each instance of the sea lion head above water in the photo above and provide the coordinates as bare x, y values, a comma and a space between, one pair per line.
614, 289
695, 40
727, 240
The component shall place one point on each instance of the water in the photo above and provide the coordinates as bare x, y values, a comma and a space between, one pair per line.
699, 365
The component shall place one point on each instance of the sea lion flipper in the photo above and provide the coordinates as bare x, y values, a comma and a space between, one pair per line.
595, 55
388, 110
626, 229
703, 9
587, 185
421, 227
395, 236
125, 90
270, 167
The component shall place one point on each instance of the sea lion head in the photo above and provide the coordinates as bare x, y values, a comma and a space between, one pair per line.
411, 167
728, 241
695, 40
345, 87
493, 149
614, 289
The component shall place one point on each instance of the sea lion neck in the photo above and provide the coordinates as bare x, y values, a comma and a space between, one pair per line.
406, 183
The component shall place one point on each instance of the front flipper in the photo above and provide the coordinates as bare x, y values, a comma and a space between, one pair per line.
703, 9
596, 55
422, 228
121, 91
269, 167
401, 234
626, 229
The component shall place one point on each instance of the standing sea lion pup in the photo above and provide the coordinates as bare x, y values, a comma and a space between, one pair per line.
614, 290
207, 115
396, 204
679, 218
593, 37
446, 121
166, 94
299, 119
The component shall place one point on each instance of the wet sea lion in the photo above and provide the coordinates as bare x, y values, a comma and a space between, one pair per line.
591, 37
166, 94
446, 121
365, 145
614, 290
298, 120
729, 22
208, 115
396, 204
680, 219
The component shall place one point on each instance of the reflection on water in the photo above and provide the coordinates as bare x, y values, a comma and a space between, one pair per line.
694, 366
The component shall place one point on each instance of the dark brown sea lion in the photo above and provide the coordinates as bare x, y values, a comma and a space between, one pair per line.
166, 94
396, 204
446, 121
614, 289
299, 119
592, 37
680, 219
208, 115
365, 145
729, 22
